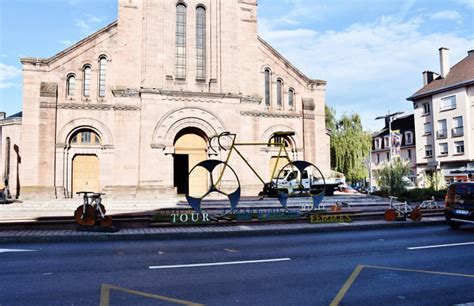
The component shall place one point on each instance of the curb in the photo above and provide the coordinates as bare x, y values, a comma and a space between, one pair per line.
195, 232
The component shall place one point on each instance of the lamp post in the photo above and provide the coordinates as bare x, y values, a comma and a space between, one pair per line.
388, 119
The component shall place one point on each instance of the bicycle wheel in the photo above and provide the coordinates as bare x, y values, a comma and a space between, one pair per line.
416, 215
85, 217
106, 221
390, 215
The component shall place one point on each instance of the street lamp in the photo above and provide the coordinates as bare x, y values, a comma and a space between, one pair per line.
388, 118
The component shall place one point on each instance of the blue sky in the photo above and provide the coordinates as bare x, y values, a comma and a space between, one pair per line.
371, 52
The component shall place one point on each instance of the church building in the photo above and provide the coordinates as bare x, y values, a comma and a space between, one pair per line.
129, 110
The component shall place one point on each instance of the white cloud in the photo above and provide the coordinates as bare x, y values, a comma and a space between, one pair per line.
7, 73
89, 23
467, 3
370, 67
447, 15
65, 42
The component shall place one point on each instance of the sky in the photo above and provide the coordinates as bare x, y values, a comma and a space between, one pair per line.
371, 52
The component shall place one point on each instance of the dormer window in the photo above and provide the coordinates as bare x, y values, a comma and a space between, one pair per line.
378, 143
408, 138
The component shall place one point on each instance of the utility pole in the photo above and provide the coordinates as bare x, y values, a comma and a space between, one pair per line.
388, 121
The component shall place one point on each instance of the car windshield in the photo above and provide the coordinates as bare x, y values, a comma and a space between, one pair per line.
283, 174
465, 192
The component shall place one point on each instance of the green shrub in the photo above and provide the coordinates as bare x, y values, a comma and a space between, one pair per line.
390, 176
421, 194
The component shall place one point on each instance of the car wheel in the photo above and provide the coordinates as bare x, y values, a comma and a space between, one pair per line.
453, 224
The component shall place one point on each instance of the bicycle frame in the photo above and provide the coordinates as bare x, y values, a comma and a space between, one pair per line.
233, 147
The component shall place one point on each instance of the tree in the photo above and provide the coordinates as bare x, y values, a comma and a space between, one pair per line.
390, 176
330, 117
350, 145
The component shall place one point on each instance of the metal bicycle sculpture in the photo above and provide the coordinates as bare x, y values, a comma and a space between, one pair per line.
304, 183
92, 210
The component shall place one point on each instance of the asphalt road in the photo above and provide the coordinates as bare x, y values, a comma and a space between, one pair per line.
354, 268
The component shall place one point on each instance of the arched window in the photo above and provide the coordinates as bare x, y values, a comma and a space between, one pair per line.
102, 72
71, 85
200, 43
279, 92
291, 97
282, 137
267, 87
85, 137
180, 41
87, 81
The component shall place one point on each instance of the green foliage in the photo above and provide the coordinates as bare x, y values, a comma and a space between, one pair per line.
350, 145
330, 117
390, 176
415, 195
435, 180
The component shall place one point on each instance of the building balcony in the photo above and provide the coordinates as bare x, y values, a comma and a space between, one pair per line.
441, 134
457, 132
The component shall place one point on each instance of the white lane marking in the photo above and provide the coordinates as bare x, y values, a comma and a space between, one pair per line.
440, 246
15, 250
220, 263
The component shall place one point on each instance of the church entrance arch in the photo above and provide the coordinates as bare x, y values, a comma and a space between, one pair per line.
190, 148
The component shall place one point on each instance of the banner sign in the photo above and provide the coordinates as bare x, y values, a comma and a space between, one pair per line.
396, 143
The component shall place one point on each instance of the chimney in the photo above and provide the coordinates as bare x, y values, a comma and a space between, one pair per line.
470, 52
2, 115
444, 61
429, 76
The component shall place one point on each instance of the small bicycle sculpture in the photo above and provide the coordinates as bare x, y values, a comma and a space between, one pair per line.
92, 210
295, 179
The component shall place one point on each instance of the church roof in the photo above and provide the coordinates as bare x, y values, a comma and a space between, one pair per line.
36, 60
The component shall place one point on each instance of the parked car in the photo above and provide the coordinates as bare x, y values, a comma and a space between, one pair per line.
459, 204
409, 185
347, 189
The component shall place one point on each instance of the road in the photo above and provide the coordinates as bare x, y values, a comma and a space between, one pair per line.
377, 267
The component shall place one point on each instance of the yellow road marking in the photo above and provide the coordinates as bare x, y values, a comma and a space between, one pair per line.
105, 296
422, 271
346, 286
342, 292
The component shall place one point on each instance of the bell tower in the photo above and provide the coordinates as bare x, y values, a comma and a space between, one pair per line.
129, 44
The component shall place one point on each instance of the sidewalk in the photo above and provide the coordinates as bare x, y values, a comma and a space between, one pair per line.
34, 210
208, 231
30, 210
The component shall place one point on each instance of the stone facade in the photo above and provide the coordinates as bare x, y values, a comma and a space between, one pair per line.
146, 106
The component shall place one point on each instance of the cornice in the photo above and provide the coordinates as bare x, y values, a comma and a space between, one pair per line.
269, 114
290, 65
91, 106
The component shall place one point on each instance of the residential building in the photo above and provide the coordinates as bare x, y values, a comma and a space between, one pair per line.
444, 110
129, 109
404, 127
